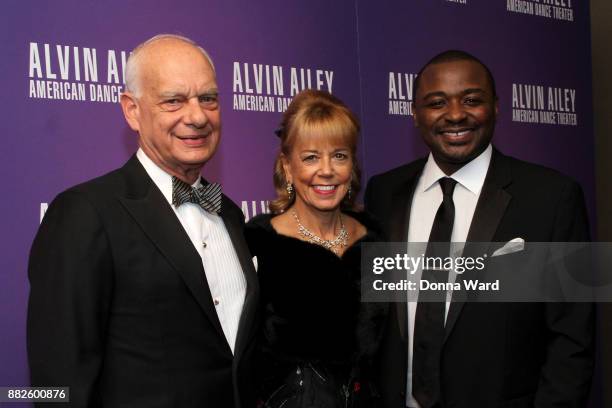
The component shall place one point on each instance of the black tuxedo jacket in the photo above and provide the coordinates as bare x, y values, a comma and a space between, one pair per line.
497, 354
120, 310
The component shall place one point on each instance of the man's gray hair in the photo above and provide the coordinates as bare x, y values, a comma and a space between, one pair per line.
132, 67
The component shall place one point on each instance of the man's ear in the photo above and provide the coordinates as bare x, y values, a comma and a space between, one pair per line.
131, 111
414, 116
496, 107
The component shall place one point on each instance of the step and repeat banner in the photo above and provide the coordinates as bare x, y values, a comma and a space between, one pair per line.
62, 66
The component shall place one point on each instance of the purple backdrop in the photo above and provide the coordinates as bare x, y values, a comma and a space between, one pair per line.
51, 144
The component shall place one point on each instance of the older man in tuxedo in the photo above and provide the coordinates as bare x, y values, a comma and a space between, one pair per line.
143, 292
463, 354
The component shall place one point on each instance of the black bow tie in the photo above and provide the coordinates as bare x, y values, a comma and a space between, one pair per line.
207, 196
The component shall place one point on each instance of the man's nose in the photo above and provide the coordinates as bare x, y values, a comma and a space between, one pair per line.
455, 112
195, 115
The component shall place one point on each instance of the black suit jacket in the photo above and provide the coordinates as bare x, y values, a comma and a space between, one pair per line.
498, 354
120, 310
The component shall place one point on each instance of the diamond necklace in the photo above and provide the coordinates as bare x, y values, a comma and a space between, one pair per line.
333, 245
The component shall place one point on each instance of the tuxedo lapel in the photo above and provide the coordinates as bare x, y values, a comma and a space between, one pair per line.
401, 204
492, 202
400, 210
235, 231
152, 212
490, 209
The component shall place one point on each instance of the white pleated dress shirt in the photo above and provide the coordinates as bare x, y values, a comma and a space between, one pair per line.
425, 202
210, 238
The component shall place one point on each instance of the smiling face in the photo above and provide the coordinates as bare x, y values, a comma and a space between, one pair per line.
320, 169
176, 113
455, 111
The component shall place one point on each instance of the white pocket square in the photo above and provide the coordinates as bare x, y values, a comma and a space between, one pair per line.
514, 245
255, 263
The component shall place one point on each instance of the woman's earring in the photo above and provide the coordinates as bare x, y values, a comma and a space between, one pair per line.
289, 189
348, 193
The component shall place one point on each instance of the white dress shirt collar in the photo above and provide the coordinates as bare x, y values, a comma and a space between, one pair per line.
162, 180
471, 176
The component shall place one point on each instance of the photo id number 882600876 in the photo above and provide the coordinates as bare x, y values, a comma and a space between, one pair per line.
34, 394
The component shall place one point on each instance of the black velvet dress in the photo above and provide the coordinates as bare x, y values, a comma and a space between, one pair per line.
317, 339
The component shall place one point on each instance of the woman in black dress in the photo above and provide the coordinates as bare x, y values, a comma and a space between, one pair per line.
318, 340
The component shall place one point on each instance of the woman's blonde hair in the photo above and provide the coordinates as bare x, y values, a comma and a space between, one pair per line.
314, 113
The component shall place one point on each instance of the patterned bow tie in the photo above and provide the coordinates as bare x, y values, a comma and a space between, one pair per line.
208, 197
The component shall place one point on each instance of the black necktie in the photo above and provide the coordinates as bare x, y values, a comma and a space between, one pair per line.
429, 317
206, 196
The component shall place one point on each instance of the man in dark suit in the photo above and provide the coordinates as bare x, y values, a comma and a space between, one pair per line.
143, 291
478, 354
